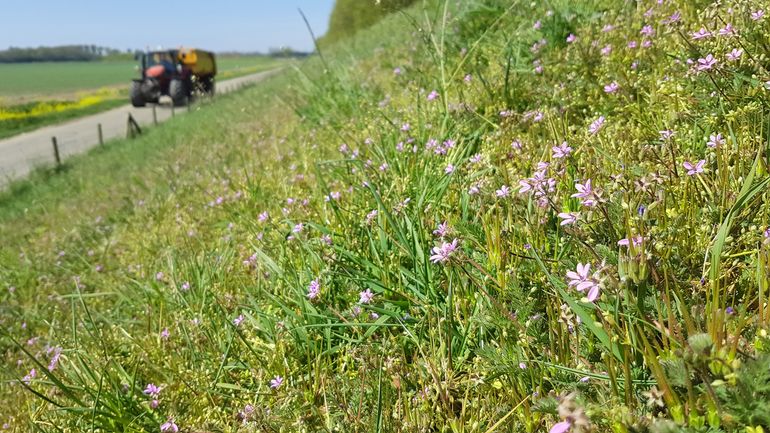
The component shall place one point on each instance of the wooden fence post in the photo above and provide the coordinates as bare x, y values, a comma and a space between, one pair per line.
154, 115
56, 151
132, 128
172, 109
101, 135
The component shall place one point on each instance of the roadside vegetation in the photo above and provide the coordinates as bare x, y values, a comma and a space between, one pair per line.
476, 216
33, 95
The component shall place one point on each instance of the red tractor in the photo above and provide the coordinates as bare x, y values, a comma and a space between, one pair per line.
180, 74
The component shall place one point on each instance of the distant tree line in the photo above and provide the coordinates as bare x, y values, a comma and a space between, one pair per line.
63, 53
350, 16
87, 53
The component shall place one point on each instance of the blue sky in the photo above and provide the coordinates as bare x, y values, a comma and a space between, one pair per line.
222, 25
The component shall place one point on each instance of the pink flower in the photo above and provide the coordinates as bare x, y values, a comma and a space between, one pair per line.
449, 169
612, 87
503, 192
715, 140
692, 170
734, 55
442, 253
571, 38
152, 390
238, 320
647, 30
674, 18
596, 125
758, 15
537, 25
608, 28
606, 50
314, 290
432, 95
169, 427
263, 217
561, 151
366, 296
701, 34
568, 218
560, 427
636, 240
727, 30
706, 63
582, 281
666, 134
586, 194
276, 382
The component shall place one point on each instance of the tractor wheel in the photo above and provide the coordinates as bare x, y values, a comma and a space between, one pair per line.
178, 92
135, 92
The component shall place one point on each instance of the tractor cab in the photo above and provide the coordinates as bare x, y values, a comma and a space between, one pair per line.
176, 73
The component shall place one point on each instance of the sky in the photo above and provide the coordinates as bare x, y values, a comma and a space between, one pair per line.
223, 25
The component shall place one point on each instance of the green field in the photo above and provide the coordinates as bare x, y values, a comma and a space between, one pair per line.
39, 80
516, 222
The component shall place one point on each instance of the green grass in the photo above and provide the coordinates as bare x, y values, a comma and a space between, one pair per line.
391, 245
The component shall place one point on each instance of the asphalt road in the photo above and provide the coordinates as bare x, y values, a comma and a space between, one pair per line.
22, 153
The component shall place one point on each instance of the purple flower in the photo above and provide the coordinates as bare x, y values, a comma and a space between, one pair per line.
568, 218
263, 217
503, 192
586, 194
647, 30
397, 71
537, 25
674, 18
169, 427
606, 50
28, 378
276, 382
582, 281
727, 30
571, 38
612, 87
443, 230
185, 286
475, 159
152, 390
692, 170
297, 228
468, 78
701, 34
54, 359
608, 28
561, 151
596, 125
442, 253
758, 15
734, 55
705, 64
636, 240
238, 320
449, 169
366, 296
314, 290
159, 276
666, 134
432, 95
715, 140
560, 427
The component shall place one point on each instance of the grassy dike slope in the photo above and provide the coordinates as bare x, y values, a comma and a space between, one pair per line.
477, 216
